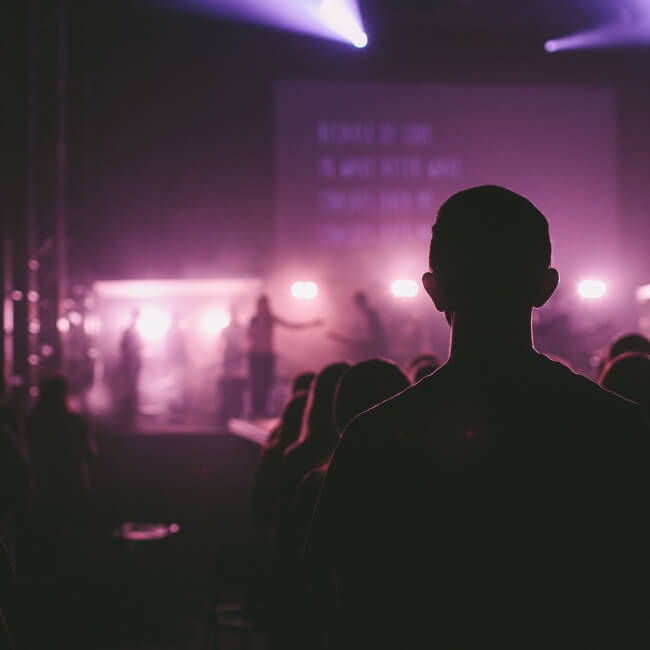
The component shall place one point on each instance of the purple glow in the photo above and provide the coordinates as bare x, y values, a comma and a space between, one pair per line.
214, 321
592, 289
342, 17
75, 318
632, 30
334, 19
63, 325
643, 293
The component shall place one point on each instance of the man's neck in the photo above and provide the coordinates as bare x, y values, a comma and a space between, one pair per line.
479, 339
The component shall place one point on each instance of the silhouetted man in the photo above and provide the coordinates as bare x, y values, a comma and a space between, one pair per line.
131, 363
372, 340
503, 500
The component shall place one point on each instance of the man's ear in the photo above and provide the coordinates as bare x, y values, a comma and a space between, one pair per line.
439, 296
546, 287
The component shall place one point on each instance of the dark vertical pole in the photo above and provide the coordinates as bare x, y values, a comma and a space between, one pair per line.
60, 231
26, 323
7, 309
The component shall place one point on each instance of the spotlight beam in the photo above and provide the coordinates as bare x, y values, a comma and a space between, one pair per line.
333, 19
631, 32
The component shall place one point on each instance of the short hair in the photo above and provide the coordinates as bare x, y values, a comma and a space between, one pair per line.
302, 382
489, 228
630, 342
363, 386
629, 375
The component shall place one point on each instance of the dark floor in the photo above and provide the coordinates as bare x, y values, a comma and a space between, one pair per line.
104, 592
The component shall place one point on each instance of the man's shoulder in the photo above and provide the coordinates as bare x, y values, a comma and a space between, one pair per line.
583, 396
398, 414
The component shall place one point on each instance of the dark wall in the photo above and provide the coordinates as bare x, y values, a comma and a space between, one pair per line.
171, 126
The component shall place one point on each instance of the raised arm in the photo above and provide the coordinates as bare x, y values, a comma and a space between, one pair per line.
297, 326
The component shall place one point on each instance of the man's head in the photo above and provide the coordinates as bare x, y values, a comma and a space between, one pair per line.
360, 299
490, 248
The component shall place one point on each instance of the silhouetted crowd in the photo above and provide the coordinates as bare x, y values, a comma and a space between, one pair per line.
495, 500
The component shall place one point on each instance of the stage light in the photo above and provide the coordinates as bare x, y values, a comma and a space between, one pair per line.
342, 17
16, 295
47, 350
643, 293
32, 296
153, 324
63, 324
33, 359
304, 290
75, 318
591, 289
361, 40
214, 321
34, 326
404, 288
630, 29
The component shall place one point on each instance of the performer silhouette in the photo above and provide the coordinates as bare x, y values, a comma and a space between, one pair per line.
261, 356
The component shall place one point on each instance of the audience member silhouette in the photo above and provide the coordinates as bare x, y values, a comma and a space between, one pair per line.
318, 435
60, 446
630, 342
261, 356
628, 375
302, 382
269, 477
501, 501
423, 365
364, 385
360, 387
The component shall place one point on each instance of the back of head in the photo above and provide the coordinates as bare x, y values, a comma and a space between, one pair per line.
302, 382
291, 420
364, 385
422, 365
319, 418
628, 375
630, 342
53, 395
489, 246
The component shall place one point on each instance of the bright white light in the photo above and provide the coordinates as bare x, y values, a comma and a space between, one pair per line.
153, 324
304, 290
214, 321
342, 17
63, 324
592, 289
361, 40
404, 288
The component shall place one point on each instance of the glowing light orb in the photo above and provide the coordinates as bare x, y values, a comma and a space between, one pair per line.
304, 290
153, 324
591, 289
404, 288
361, 40
75, 318
214, 321
63, 325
